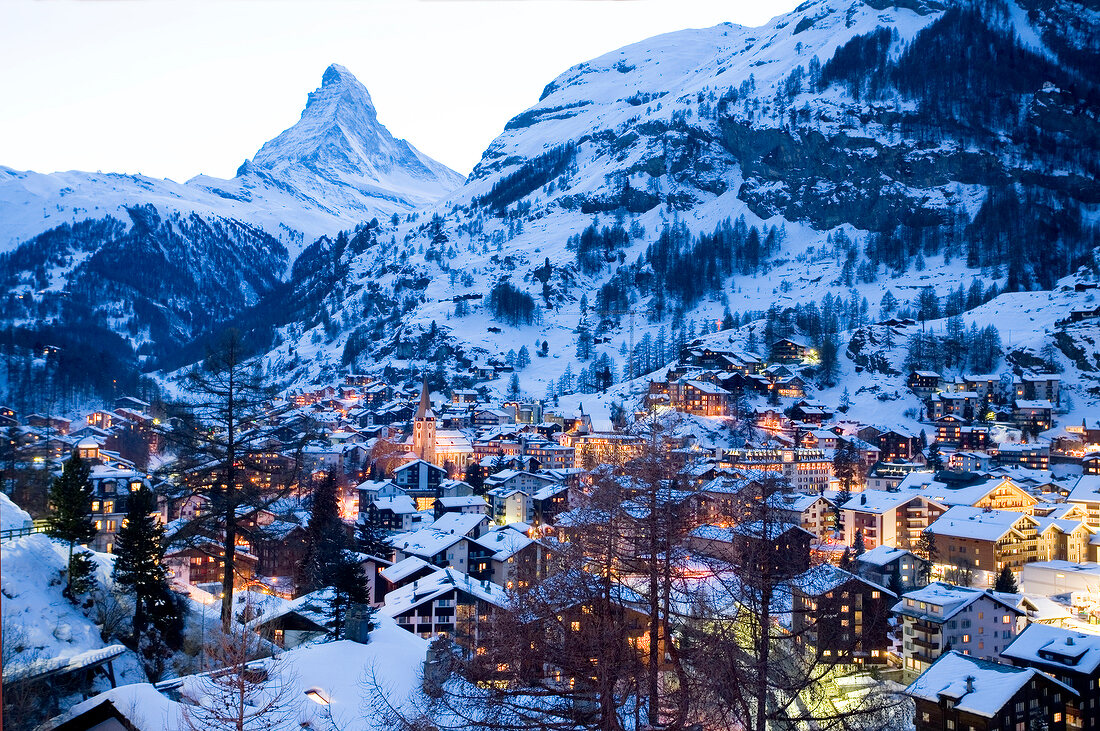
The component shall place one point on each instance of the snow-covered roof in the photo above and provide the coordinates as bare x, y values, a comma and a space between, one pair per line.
1033, 404
424, 542
394, 659
797, 502
436, 584
951, 599
462, 501
504, 542
823, 578
403, 569
462, 524
709, 388
882, 555
877, 501
1049, 645
398, 505
978, 524
981, 687
1087, 490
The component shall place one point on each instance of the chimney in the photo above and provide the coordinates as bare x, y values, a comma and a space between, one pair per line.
969, 683
1069, 641
862, 499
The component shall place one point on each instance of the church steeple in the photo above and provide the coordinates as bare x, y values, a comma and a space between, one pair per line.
424, 410
424, 427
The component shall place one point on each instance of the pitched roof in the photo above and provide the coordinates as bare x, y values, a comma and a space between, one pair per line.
882, 555
981, 687
984, 525
1050, 645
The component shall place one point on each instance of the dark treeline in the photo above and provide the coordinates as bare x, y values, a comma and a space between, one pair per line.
511, 305
989, 91
679, 268
534, 174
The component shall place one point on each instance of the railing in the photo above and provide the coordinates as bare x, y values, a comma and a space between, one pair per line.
38, 526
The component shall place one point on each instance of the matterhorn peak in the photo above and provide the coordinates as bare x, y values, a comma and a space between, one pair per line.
338, 139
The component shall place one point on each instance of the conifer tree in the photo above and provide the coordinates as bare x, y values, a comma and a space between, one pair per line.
935, 459
329, 562
139, 551
71, 521
325, 537
1006, 582
372, 538
859, 546
926, 549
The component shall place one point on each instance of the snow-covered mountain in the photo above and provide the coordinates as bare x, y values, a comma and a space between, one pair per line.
841, 164
840, 152
335, 168
118, 270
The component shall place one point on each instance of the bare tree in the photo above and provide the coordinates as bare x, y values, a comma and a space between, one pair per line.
245, 694
223, 457
755, 653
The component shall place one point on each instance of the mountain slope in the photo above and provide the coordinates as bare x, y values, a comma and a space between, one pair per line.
817, 159
116, 271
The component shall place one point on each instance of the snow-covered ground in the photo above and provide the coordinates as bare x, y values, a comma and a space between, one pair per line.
359, 682
40, 624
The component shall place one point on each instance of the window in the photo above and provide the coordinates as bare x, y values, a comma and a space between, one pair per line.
966, 638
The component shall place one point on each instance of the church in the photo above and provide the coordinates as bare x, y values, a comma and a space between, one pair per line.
447, 448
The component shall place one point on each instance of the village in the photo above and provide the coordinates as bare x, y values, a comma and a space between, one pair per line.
969, 549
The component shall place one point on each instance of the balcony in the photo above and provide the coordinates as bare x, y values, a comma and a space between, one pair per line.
925, 643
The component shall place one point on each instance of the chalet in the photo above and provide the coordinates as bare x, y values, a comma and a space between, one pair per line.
507, 557
1086, 493
398, 513
447, 602
888, 518
1071, 656
549, 501
965, 692
942, 616
700, 398
1064, 539
789, 350
843, 616
810, 413
1041, 387
510, 505
948, 487
296, 622
964, 404
895, 445
813, 512
1029, 456
948, 428
439, 548
985, 541
420, 480
924, 383
1032, 415
893, 567
460, 504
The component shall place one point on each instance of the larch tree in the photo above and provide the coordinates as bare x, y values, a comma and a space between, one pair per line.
222, 459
